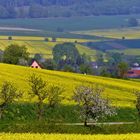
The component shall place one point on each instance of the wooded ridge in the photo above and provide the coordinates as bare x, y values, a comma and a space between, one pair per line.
66, 8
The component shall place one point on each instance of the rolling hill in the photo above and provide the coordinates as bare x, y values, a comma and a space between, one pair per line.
129, 47
119, 91
38, 45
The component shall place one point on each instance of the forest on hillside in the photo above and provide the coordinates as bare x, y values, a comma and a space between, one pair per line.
66, 8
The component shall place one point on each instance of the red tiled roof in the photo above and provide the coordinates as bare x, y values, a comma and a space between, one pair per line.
133, 73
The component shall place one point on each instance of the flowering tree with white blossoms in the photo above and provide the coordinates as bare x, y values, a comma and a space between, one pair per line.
92, 104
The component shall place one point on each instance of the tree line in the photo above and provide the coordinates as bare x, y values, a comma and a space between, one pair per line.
66, 8
66, 57
88, 98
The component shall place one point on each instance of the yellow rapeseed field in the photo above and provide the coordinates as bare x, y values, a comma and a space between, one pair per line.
8, 136
119, 91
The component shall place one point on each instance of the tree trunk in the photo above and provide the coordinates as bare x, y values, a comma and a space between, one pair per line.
1, 113
40, 111
2, 106
85, 122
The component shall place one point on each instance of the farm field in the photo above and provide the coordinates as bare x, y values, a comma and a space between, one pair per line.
128, 33
130, 52
127, 46
119, 91
69, 24
38, 38
67, 137
38, 45
49, 26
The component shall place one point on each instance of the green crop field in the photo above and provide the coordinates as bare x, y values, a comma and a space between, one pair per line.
128, 33
129, 46
69, 24
133, 52
49, 26
4, 136
38, 45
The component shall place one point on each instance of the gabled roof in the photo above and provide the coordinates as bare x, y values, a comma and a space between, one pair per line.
35, 63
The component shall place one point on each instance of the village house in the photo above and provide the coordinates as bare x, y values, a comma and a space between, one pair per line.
134, 72
35, 64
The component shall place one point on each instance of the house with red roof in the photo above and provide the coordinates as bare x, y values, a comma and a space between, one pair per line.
134, 72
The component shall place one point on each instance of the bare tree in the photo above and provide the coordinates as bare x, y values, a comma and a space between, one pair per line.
38, 89
92, 104
8, 94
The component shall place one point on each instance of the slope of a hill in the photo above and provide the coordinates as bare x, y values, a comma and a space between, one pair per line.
119, 91
38, 45
126, 46
128, 33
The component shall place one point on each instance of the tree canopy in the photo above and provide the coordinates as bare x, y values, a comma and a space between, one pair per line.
66, 8
66, 52
14, 53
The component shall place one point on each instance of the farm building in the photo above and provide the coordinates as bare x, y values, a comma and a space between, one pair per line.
134, 73
35, 64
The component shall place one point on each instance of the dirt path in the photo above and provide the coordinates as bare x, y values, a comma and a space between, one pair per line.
105, 123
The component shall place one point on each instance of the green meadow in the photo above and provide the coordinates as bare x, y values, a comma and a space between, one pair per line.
130, 45
128, 33
71, 23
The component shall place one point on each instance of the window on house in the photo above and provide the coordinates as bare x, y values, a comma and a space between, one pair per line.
36, 67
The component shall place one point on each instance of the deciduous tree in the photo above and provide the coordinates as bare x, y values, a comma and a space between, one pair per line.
38, 89
8, 95
92, 104
13, 53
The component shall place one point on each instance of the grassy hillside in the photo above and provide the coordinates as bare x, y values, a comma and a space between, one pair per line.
128, 46
128, 33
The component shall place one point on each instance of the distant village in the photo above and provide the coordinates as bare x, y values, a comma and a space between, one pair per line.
133, 71
66, 57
